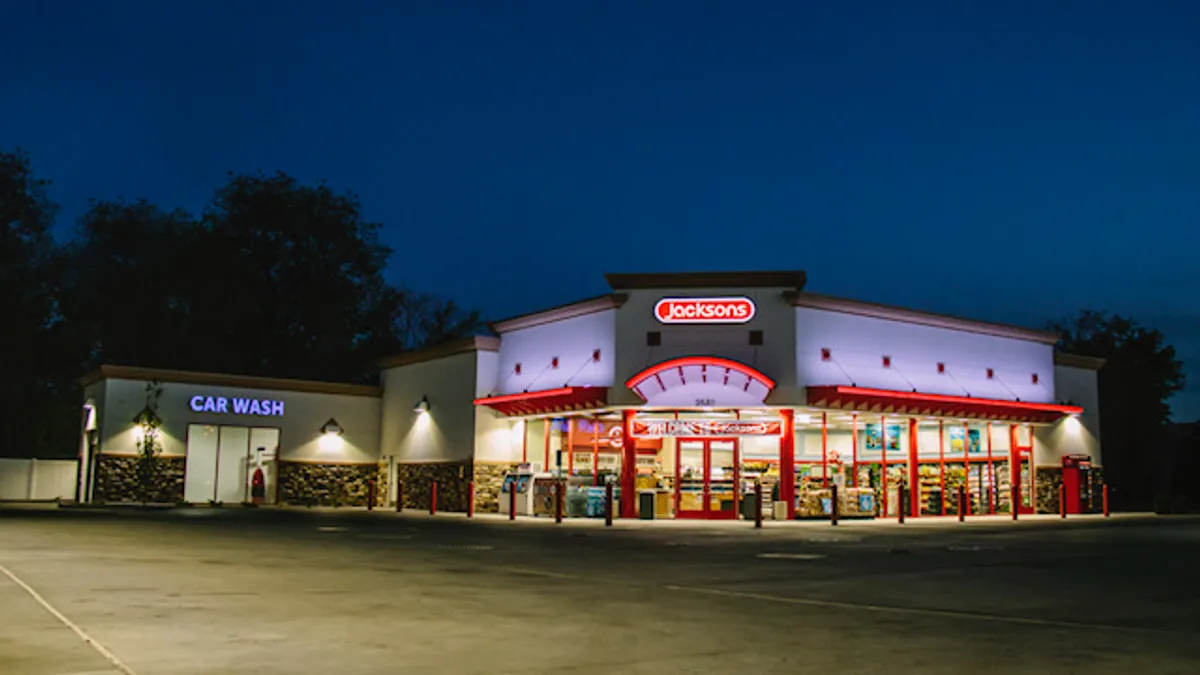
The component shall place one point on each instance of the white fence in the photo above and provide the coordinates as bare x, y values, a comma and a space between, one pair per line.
37, 479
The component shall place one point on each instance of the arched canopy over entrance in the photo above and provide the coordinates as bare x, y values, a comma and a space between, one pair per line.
703, 381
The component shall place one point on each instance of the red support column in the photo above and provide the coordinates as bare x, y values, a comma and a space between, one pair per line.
914, 474
883, 449
628, 466
570, 445
942, 461
787, 462
1014, 470
824, 450
524, 441
854, 448
595, 451
546, 446
966, 463
991, 484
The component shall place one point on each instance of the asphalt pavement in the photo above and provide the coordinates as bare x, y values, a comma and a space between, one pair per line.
265, 591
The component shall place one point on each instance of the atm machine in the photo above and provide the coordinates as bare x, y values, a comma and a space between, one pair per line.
1077, 483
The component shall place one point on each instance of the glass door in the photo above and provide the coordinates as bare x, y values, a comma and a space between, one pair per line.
722, 479
708, 479
690, 489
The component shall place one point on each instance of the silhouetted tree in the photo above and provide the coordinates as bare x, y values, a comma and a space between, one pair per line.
276, 278
35, 356
1141, 375
134, 270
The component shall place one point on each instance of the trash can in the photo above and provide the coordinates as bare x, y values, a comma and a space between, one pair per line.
749, 506
646, 504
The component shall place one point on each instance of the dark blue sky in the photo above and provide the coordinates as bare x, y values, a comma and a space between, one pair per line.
1011, 161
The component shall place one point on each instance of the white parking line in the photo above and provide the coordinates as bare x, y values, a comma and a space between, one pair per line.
112, 658
791, 556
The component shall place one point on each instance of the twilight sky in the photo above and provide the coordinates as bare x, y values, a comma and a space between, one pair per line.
1010, 161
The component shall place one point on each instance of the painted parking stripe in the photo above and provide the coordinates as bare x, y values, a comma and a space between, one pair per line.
791, 556
109, 656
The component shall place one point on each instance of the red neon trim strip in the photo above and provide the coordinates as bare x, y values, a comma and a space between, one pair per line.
713, 361
942, 398
525, 396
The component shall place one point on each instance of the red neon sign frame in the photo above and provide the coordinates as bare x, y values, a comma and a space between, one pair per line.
714, 362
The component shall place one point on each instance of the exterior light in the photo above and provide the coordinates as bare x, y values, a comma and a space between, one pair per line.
422, 406
331, 436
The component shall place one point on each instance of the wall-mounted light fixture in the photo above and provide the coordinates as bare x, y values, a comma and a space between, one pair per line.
422, 406
331, 435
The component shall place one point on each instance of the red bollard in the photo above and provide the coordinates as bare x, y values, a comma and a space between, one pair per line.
962, 503
1016, 501
399, 497
512, 500
1062, 500
757, 504
833, 505
1106, 500
903, 503
433, 498
558, 502
471, 499
608, 504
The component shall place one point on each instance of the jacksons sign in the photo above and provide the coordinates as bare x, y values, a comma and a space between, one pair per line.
656, 428
704, 310
236, 406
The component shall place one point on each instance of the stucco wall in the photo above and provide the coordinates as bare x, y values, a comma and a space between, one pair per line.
1072, 435
304, 414
447, 432
859, 343
573, 341
773, 316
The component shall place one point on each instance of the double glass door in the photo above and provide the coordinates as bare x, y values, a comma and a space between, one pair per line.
707, 478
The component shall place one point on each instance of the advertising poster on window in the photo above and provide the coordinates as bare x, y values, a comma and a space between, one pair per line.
874, 438
975, 444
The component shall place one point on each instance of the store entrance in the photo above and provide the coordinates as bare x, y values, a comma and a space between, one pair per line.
707, 478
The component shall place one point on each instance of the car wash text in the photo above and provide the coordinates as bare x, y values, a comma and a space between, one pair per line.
237, 406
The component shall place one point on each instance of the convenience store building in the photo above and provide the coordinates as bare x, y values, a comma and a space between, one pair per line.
687, 389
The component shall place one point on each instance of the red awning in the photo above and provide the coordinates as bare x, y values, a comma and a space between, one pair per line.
886, 401
564, 399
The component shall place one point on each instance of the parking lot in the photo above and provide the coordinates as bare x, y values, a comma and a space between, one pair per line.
297, 591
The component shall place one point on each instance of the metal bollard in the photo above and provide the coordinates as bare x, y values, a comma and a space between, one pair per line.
758, 504
1016, 501
371, 495
903, 503
962, 503
433, 498
833, 505
512, 500
399, 497
1062, 501
1105, 500
471, 499
608, 504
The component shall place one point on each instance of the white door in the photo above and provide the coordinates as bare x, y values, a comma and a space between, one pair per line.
232, 455
201, 477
